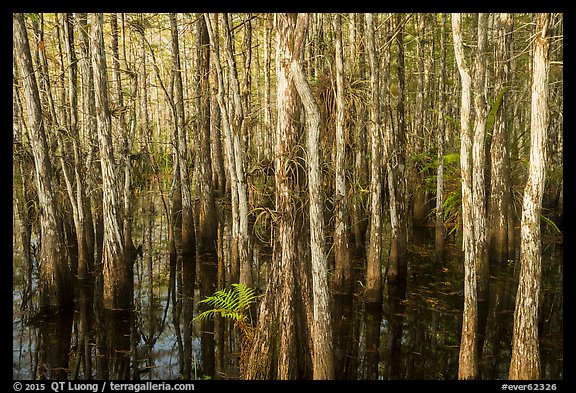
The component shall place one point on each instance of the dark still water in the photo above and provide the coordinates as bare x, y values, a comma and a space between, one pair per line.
413, 334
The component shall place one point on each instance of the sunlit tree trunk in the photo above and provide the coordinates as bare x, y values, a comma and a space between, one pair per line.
525, 362
80, 204
279, 346
467, 366
478, 171
239, 126
115, 269
94, 226
343, 278
77, 194
322, 358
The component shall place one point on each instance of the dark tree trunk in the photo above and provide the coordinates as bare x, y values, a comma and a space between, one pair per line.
188, 251
440, 230
207, 222
398, 266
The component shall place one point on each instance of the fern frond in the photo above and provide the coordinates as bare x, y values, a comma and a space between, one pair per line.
229, 303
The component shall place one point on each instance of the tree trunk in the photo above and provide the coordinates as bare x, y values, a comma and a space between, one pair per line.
525, 362
440, 230
279, 345
343, 275
207, 221
188, 251
499, 200
55, 279
238, 128
468, 365
416, 178
478, 178
398, 266
218, 173
322, 357
374, 260
500, 189
359, 219
267, 143
117, 271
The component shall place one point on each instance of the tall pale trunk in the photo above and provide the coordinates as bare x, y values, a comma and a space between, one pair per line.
116, 270
322, 357
343, 278
478, 168
238, 126
467, 366
374, 259
525, 361
77, 195
116, 294
396, 147
359, 221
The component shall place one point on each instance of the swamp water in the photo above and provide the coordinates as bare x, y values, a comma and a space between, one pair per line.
413, 334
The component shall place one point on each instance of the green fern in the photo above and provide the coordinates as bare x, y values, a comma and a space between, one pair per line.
231, 303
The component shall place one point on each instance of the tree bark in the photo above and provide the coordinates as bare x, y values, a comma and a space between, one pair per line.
323, 362
500, 190
468, 365
374, 260
55, 279
117, 271
343, 275
280, 346
525, 362
478, 170
238, 128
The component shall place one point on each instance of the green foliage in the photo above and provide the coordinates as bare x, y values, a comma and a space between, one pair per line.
494, 110
452, 208
231, 303
551, 223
